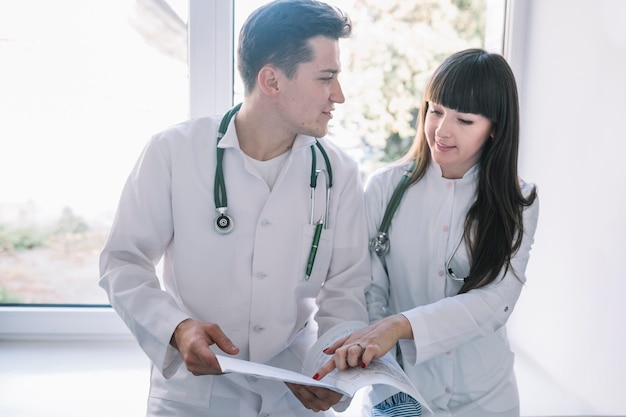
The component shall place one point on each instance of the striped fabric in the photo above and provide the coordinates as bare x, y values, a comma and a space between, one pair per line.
398, 405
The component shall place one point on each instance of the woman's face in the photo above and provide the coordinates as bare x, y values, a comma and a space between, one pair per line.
455, 139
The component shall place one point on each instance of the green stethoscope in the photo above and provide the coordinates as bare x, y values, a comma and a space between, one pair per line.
380, 243
224, 222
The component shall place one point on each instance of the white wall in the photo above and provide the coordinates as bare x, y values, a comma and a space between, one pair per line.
569, 328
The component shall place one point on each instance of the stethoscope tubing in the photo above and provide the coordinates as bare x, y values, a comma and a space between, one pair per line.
224, 222
380, 243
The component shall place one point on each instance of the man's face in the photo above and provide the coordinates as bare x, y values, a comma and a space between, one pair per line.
307, 100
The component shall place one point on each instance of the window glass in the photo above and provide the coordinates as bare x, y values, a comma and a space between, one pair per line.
83, 85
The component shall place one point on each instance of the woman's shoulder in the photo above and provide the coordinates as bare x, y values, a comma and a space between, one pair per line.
531, 209
390, 173
527, 188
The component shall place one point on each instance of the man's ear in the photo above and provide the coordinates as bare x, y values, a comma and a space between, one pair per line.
267, 80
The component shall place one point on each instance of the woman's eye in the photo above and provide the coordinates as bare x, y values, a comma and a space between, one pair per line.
465, 122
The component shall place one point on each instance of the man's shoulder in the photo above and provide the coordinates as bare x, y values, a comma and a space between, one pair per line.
188, 129
336, 152
193, 124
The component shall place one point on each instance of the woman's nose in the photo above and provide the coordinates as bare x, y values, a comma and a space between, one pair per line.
443, 127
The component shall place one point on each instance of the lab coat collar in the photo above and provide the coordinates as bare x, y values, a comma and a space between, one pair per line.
230, 139
434, 170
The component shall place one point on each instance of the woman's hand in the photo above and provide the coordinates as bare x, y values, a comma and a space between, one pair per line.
365, 345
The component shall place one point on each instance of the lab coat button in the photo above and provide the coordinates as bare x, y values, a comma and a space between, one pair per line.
445, 228
449, 184
440, 273
448, 390
265, 222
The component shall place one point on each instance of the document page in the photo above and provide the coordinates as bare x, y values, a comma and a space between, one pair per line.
230, 364
384, 371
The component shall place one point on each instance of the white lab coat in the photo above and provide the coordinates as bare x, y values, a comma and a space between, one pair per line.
250, 282
460, 358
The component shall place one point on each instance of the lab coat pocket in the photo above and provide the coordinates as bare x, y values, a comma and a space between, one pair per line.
182, 387
315, 253
457, 269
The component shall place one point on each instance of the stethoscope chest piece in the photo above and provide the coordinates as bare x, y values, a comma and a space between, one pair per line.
380, 244
223, 222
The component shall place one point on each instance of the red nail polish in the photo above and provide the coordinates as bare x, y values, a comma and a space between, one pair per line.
316, 376
325, 350
362, 365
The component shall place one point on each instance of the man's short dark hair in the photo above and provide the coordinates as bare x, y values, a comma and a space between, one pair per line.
278, 32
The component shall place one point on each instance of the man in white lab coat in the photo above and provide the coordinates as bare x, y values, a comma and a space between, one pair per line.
236, 236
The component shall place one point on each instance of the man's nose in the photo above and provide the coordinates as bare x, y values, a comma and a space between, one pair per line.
336, 94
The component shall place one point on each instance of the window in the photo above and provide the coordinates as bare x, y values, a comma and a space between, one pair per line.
85, 83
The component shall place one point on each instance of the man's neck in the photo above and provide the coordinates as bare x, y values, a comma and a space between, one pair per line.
259, 136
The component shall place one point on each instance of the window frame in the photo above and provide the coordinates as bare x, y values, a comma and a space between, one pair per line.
211, 76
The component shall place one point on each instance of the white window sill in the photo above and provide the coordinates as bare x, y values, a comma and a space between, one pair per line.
67, 323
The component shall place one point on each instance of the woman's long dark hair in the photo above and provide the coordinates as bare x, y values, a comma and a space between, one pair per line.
479, 82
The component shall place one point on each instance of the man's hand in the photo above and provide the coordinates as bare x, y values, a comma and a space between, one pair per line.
192, 338
314, 398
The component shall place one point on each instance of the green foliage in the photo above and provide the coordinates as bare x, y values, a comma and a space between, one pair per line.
68, 228
7, 298
70, 223
20, 238
394, 48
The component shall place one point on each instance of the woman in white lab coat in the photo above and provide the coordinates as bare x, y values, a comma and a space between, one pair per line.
245, 291
458, 245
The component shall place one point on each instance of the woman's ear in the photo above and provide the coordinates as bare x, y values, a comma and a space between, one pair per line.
267, 80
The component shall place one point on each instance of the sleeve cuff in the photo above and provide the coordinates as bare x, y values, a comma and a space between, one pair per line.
408, 346
171, 362
343, 404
